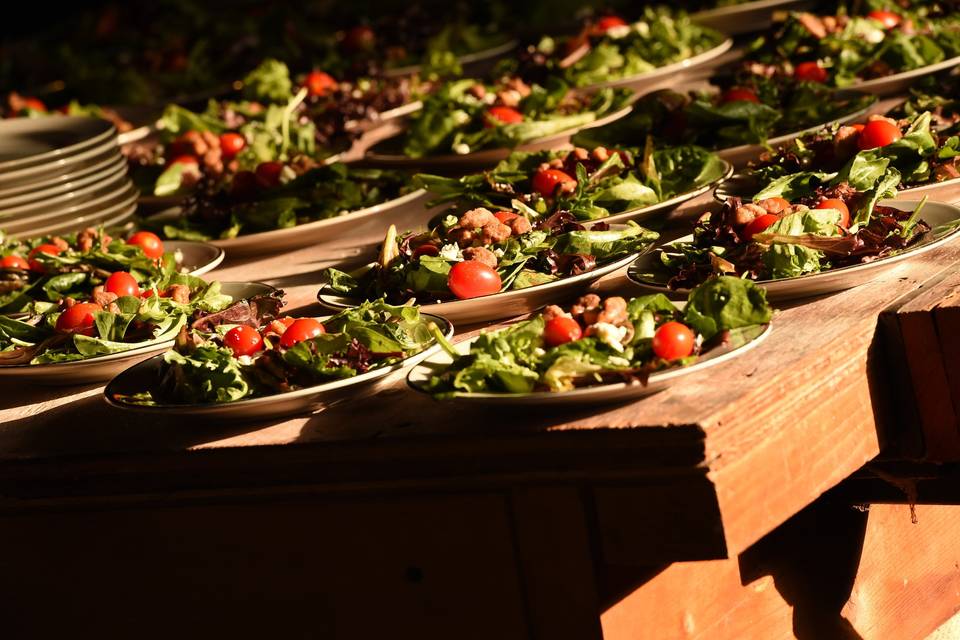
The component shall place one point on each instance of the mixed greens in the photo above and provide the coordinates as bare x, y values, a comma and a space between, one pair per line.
598, 341
590, 184
246, 351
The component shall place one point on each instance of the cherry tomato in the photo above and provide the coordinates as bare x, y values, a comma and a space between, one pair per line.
606, 23
471, 279
561, 330
34, 103
280, 325
122, 284
878, 133
150, 243
426, 250
186, 159
49, 249
319, 83
839, 205
810, 71
505, 216
758, 225
546, 181
738, 94
505, 115
359, 38
231, 143
888, 19
673, 340
268, 174
244, 185
14, 262
243, 340
301, 329
776, 204
858, 126
78, 318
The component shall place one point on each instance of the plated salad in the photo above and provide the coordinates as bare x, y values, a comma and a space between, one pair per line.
747, 111
482, 253
590, 184
464, 116
609, 48
246, 351
598, 341
844, 50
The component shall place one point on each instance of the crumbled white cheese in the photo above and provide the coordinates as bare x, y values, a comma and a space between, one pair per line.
245, 360
642, 28
461, 148
460, 116
539, 352
618, 362
620, 31
490, 97
287, 174
499, 252
610, 334
451, 252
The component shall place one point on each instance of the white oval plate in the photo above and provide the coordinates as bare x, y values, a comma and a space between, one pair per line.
464, 60
52, 170
486, 157
140, 377
101, 368
506, 304
118, 190
944, 221
901, 82
644, 80
29, 142
110, 214
944, 191
419, 377
305, 234
58, 183
746, 17
76, 194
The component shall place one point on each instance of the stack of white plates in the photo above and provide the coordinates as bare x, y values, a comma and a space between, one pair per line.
61, 174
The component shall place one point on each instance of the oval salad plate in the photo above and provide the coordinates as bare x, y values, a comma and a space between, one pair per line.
646, 79
746, 17
944, 221
466, 60
30, 142
745, 187
479, 159
419, 378
145, 374
301, 235
100, 368
506, 304
902, 82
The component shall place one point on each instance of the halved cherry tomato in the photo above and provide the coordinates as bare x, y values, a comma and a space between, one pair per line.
471, 279
776, 204
35, 103
810, 71
14, 262
268, 174
427, 249
506, 115
758, 225
48, 249
561, 330
244, 185
150, 243
738, 94
122, 284
301, 329
186, 159
673, 341
505, 216
606, 23
243, 340
78, 318
546, 181
839, 205
280, 325
231, 143
359, 38
319, 83
878, 133
888, 19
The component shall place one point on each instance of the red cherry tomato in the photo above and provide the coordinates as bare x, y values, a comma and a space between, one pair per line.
244, 185
243, 340
122, 284
301, 329
268, 174
839, 205
426, 250
606, 23
150, 243
78, 318
471, 279
505, 115
888, 19
776, 204
758, 225
48, 249
738, 94
673, 340
319, 83
34, 103
546, 181
14, 262
231, 143
810, 71
561, 330
505, 216
878, 133
359, 38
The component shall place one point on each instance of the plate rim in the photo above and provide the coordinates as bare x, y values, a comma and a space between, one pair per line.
60, 153
682, 65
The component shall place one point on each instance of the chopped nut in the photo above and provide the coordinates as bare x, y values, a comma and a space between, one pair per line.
580, 153
773, 205
103, 298
476, 218
179, 293
494, 231
745, 214
480, 254
600, 154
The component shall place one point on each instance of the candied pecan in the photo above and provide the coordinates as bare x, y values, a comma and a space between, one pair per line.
463, 237
772, 205
101, 297
553, 311
585, 303
477, 91
579, 153
494, 231
509, 98
179, 293
59, 243
476, 218
481, 254
614, 311
600, 154
86, 238
519, 225
813, 24
746, 213
519, 86
845, 141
